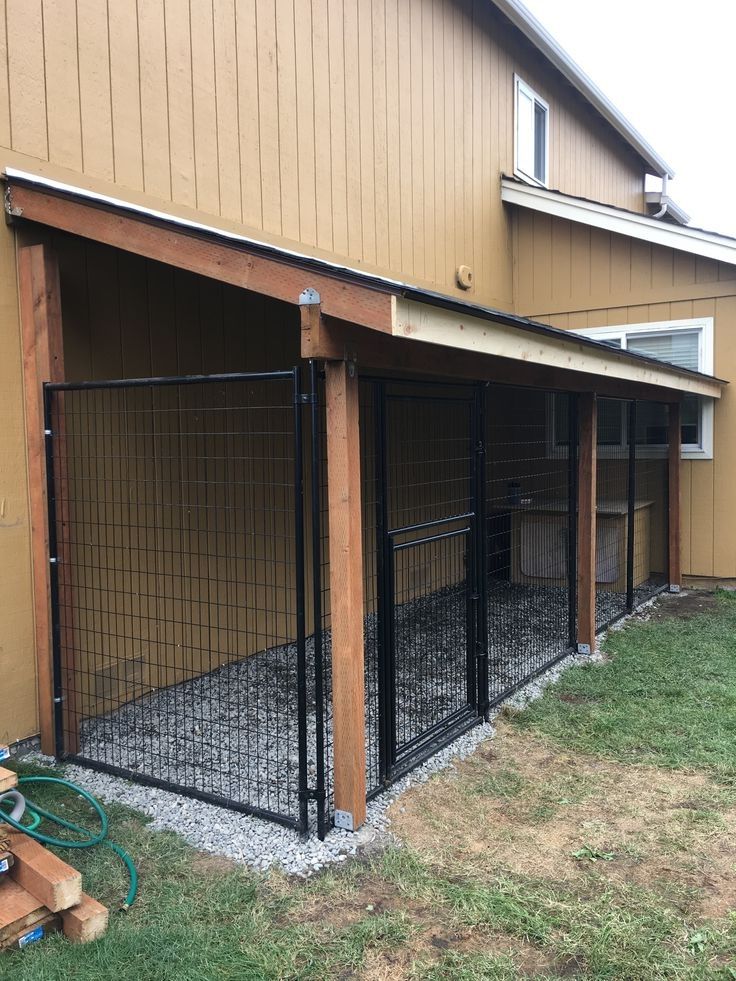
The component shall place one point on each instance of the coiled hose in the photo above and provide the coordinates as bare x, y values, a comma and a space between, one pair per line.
88, 839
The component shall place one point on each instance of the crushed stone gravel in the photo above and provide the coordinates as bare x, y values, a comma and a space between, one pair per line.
263, 845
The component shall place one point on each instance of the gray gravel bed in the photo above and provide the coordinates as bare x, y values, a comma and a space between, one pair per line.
243, 838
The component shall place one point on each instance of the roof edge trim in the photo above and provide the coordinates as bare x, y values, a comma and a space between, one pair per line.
684, 238
535, 32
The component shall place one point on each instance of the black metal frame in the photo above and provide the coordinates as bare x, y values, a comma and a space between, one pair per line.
470, 524
631, 602
298, 815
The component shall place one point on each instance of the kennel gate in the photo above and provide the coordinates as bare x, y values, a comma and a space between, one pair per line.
430, 648
179, 610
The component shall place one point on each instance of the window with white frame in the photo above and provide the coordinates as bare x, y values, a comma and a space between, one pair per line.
532, 134
685, 343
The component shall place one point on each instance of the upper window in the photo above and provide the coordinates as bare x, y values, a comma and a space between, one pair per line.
687, 344
532, 134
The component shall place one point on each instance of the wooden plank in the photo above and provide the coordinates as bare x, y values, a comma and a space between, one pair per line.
86, 921
48, 923
8, 779
674, 543
43, 360
18, 908
198, 253
329, 339
587, 440
346, 588
45, 876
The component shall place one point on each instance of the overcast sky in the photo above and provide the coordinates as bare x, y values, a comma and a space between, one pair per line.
670, 68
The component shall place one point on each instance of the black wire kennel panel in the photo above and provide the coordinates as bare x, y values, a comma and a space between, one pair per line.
650, 567
428, 597
420, 465
616, 510
177, 552
371, 398
530, 532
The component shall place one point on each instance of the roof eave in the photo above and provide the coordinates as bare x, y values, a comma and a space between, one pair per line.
533, 30
683, 238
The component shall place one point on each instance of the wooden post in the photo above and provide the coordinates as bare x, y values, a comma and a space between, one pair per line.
346, 592
43, 360
674, 547
588, 436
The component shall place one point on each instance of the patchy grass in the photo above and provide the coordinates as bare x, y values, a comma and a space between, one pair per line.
591, 838
667, 697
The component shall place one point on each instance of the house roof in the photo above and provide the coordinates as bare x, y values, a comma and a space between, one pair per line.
543, 41
696, 241
416, 313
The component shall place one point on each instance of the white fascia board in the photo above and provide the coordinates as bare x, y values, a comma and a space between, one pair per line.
531, 28
422, 322
684, 239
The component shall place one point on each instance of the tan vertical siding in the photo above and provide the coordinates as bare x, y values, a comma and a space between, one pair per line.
599, 280
372, 131
18, 717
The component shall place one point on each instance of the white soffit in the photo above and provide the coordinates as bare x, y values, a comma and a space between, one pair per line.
693, 240
421, 322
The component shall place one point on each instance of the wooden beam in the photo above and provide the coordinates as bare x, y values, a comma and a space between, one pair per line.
202, 253
43, 360
587, 445
674, 457
86, 921
328, 339
43, 874
8, 779
346, 590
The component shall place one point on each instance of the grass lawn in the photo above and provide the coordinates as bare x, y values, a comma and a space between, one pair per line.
594, 837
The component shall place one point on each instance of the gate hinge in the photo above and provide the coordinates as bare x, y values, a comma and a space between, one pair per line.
306, 398
312, 794
52, 559
58, 700
480, 446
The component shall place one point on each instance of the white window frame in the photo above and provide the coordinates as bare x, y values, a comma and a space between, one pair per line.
521, 85
705, 328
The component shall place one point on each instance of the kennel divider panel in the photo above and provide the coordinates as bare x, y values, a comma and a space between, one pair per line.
179, 607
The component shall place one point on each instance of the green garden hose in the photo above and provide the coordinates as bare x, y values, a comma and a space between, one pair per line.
89, 840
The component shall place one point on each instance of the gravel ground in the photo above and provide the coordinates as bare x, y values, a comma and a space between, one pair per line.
255, 842
262, 844
233, 732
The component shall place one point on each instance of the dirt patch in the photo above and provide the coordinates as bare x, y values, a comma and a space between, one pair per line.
684, 606
525, 808
212, 864
433, 940
372, 896
431, 935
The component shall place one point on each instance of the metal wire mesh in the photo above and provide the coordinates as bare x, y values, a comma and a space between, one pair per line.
612, 509
189, 652
529, 533
651, 538
431, 513
370, 407
176, 512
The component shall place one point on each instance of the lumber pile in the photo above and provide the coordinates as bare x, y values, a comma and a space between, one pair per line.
40, 894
